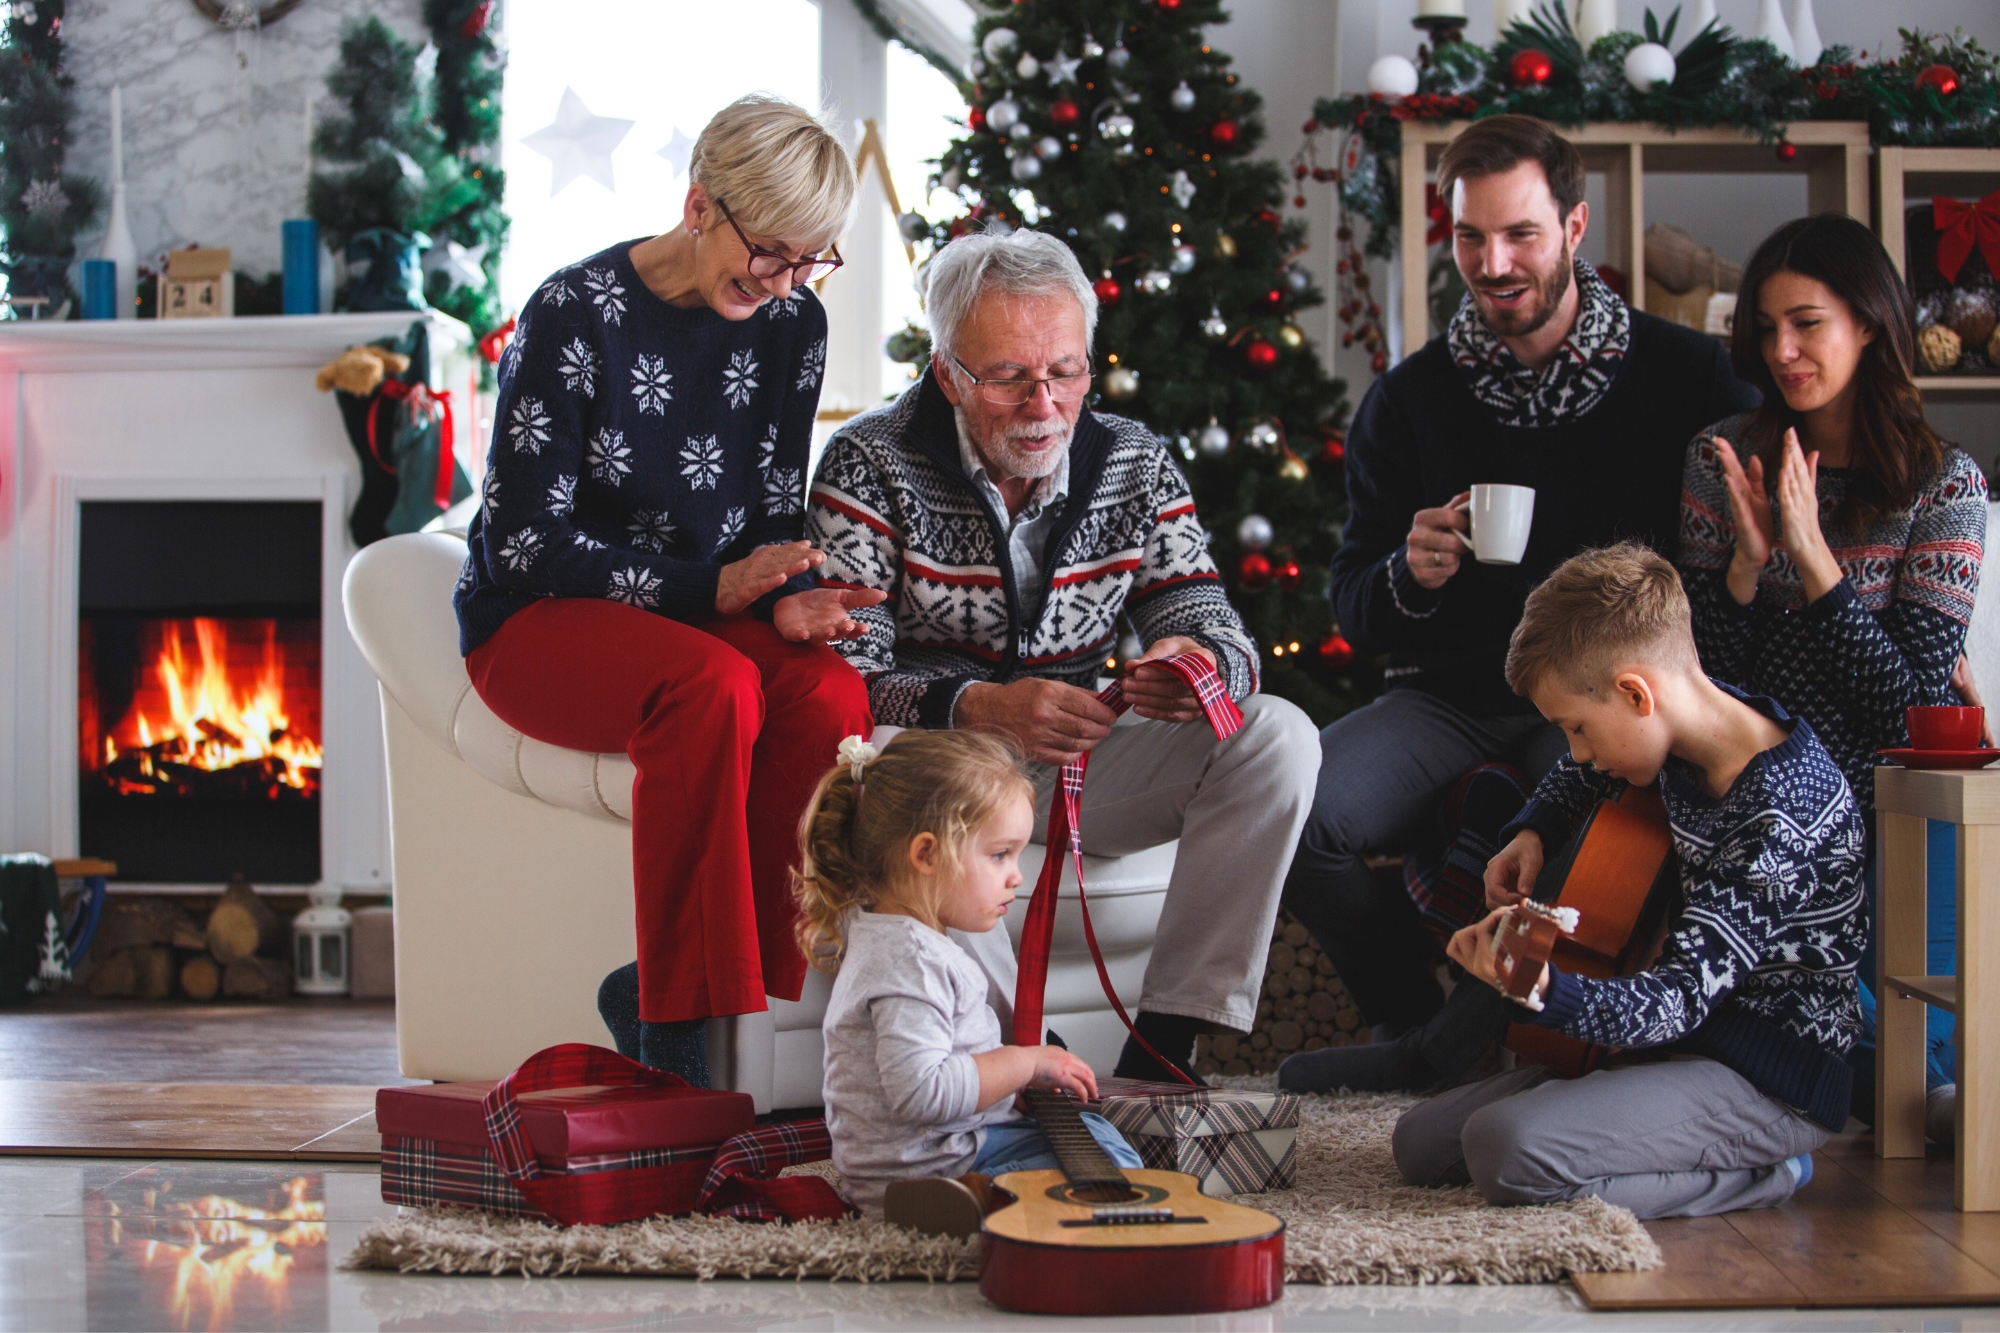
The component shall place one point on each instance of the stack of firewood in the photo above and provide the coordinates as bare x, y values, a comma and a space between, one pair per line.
153, 948
1304, 1008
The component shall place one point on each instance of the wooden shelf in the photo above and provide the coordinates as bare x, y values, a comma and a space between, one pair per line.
1939, 992
1893, 166
1958, 383
1832, 156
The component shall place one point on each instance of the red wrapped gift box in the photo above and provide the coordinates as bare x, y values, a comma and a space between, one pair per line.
600, 1154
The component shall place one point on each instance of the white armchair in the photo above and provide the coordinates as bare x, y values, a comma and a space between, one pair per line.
513, 873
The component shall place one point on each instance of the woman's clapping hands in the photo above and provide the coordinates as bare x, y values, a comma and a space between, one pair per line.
1761, 513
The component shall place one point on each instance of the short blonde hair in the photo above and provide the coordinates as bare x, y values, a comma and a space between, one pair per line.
781, 170
1601, 609
854, 844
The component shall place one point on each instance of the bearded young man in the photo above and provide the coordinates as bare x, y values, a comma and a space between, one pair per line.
1544, 379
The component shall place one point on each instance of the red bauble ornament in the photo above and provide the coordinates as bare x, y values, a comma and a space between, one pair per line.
1064, 113
1335, 450
1223, 132
1336, 651
475, 22
1274, 297
1108, 291
975, 120
1378, 363
1940, 79
1268, 218
1170, 5
1530, 68
1253, 571
1286, 572
1261, 355
1787, 150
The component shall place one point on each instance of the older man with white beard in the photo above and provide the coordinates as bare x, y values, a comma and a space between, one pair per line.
1012, 528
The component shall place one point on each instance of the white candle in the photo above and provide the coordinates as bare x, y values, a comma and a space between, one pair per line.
1595, 19
1506, 13
117, 134
309, 140
1441, 9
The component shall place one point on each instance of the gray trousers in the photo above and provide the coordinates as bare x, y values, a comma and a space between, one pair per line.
1237, 807
1684, 1138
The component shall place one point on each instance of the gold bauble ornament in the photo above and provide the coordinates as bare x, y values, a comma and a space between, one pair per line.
1121, 382
1292, 467
1939, 348
1291, 335
1225, 245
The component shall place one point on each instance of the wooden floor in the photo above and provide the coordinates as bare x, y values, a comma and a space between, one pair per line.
302, 1122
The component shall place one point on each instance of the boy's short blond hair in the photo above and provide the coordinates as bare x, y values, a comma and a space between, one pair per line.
1602, 609
780, 169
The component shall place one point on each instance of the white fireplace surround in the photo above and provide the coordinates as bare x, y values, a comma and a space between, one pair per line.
146, 410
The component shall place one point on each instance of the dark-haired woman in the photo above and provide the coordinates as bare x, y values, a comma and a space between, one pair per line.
1830, 541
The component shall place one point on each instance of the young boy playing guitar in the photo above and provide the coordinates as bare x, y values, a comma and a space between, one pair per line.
1733, 1040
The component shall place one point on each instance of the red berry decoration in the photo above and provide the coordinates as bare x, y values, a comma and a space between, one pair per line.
1379, 362
1223, 132
1108, 291
1335, 650
1530, 68
1253, 571
1787, 150
1064, 113
1940, 79
1286, 572
1268, 218
1170, 5
975, 120
1261, 355
1298, 201
1335, 450
1274, 297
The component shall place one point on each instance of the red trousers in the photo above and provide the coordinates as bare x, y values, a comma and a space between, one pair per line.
730, 727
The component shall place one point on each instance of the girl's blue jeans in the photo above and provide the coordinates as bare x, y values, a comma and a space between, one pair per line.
1020, 1145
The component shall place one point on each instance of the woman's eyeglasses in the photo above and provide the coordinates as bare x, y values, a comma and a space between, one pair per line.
769, 263
1014, 393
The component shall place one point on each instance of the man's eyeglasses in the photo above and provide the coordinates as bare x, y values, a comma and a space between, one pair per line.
1014, 393
769, 263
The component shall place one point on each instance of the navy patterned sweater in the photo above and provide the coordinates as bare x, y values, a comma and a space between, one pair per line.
639, 447
1886, 637
1759, 966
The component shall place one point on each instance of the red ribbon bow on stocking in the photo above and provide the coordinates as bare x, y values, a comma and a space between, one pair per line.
1960, 226
420, 398
1065, 828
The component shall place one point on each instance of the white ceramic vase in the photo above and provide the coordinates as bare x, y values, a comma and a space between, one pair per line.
118, 245
1702, 15
1806, 44
1771, 28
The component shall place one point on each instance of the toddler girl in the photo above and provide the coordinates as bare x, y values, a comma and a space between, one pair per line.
896, 849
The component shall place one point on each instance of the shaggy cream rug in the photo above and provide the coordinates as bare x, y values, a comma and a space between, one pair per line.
1350, 1219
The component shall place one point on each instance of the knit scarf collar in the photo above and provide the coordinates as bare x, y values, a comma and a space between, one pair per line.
1570, 385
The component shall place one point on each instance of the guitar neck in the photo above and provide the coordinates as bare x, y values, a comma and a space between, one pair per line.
1083, 1160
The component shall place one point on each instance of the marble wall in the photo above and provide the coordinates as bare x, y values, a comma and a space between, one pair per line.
214, 143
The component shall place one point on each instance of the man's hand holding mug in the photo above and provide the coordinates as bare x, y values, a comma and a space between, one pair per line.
1436, 543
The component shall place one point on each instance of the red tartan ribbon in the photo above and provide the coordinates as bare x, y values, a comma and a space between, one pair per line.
420, 398
1960, 226
743, 1180
1038, 928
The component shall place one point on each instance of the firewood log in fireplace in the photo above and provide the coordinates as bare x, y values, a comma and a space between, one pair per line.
241, 926
200, 977
257, 979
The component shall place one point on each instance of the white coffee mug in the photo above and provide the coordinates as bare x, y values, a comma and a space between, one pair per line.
1501, 518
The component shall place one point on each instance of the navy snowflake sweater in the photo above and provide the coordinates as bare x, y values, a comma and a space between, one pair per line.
1885, 638
639, 447
1759, 966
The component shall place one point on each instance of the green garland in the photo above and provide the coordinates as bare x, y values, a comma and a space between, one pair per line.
1719, 80
893, 30
42, 206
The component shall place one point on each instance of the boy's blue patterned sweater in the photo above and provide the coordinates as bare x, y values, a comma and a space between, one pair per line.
1758, 971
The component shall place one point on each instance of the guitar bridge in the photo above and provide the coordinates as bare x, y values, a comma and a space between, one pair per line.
1131, 1217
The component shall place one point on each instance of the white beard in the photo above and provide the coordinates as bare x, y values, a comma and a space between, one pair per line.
1001, 452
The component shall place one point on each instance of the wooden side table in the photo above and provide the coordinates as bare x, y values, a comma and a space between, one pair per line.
1904, 799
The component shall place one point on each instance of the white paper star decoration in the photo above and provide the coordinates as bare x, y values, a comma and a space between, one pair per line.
579, 144
678, 152
1061, 68
462, 266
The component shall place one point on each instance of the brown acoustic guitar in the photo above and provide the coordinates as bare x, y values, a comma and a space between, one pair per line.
1093, 1239
1619, 878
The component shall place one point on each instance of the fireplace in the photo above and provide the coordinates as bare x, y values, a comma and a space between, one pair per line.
199, 736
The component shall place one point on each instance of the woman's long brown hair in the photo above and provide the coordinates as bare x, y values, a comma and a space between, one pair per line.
1892, 449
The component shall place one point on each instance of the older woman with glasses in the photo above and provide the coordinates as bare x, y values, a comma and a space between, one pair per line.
637, 580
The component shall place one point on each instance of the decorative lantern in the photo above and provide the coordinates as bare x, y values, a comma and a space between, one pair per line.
320, 945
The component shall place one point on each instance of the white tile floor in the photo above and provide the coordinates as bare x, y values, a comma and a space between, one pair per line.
105, 1244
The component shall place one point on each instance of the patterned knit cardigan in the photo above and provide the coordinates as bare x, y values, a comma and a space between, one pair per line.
893, 509
1886, 637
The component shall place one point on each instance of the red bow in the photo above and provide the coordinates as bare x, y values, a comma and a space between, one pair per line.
495, 343
1960, 225
1439, 215
422, 399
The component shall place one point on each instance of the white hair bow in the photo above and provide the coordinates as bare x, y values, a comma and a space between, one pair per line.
855, 753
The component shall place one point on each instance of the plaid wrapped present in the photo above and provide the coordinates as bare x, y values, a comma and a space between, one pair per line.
577, 1134
1232, 1142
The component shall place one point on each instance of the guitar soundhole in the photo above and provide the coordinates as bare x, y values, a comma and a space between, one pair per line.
1100, 1193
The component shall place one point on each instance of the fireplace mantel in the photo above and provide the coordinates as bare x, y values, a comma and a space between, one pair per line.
181, 410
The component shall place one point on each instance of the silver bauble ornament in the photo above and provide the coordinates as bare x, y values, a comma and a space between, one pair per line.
1263, 437
1215, 328
950, 179
1115, 126
975, 66
1048, 148
1156, 282
1027, 167
1213, 441
999, 42
1118, 57
1003, 115
1255, 532
912, 227
1182, 97
1121, 382
1297, 280
1183, 260
1092, 48
1115, 220
1027, 66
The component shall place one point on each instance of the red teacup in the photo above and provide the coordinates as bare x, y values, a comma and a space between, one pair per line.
1945, 728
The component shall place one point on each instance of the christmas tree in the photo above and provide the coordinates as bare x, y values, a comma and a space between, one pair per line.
466, 96
1118, 129
41, 206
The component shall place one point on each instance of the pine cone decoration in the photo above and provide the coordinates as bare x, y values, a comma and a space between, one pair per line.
1939, 348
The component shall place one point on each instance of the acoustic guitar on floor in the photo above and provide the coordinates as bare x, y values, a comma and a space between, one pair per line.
1094, 1239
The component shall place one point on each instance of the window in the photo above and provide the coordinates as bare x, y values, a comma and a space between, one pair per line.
667, 66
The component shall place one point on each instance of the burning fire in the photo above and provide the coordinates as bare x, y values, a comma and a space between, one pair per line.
211, 722
217, 1245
